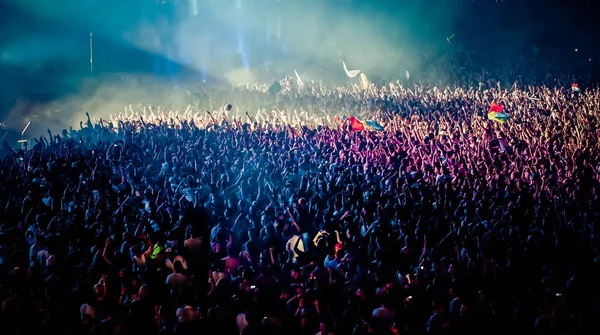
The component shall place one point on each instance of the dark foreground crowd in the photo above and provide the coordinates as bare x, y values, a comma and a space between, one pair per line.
284, 223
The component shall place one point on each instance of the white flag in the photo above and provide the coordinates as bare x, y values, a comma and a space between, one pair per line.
407, 75
300, 83
365, 81
25, 129
351, 73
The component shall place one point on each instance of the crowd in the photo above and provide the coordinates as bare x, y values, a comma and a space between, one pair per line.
286, 222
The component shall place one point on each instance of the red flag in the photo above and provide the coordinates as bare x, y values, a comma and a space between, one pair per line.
494, 107
356, 124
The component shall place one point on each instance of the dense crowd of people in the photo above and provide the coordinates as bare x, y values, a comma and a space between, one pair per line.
282, 220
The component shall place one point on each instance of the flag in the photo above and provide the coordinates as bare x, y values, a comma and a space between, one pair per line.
575, 87
355, 123
365, 81
275, 88
358, 125
494, 107
373, 125
498, 117
496, 113
298, 80
350, 73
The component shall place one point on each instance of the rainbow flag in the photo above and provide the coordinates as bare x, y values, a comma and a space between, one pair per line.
494, 107
499, 117
358, 125
373, 125
355, 123
496, 113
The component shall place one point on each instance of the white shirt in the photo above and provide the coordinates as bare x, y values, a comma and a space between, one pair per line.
293, 243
